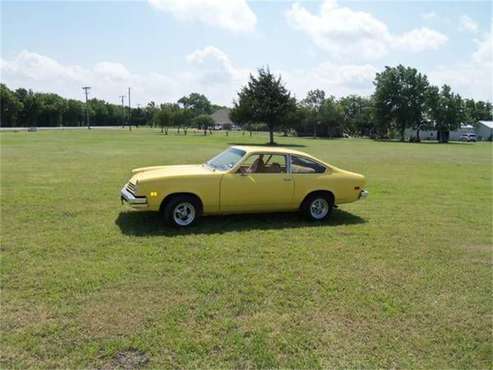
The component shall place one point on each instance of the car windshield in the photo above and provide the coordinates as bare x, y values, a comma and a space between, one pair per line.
226, 159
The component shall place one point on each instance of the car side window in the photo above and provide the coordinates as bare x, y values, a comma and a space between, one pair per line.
301, 165
265, 163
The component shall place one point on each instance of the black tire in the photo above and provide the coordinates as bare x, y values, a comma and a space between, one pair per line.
325, 201
190, 209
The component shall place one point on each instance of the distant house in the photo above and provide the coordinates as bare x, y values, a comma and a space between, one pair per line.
222, 120
485, 130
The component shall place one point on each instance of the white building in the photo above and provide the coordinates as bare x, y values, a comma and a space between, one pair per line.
485, 130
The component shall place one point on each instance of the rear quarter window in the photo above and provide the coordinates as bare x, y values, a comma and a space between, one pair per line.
300, 165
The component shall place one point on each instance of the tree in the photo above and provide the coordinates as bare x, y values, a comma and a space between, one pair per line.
74, 114
313, 104
183, 119
31, 107
197, 104
446, 110
332, 117
477, 111
264, 99
165, 117
52, 108
357, 111
204, 122
399, 98
239, 115
11, 107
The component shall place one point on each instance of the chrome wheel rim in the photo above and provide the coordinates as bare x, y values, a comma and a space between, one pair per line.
184, 213
319, 208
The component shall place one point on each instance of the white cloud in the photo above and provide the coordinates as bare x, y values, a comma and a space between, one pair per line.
344, 32
232, 15
112, 71
467, 24
215, 73
340, 30
211, 71
428, 16
107, 79
473, 78
216, 65
208, 71
420, 39
335, 79
484, 52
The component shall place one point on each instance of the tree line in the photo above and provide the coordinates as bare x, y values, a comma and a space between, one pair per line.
403, 99
22, 107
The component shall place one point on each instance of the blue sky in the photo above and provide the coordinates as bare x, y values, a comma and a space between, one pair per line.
165, 49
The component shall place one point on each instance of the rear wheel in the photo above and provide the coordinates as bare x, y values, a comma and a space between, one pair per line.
182, 211
318, 206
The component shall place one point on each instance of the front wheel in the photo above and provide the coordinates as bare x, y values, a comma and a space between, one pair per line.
317, 207
182, 211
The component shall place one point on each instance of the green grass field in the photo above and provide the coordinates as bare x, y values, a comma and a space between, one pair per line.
402, 279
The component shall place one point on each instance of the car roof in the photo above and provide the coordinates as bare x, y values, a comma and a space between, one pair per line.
249, 149
270, 149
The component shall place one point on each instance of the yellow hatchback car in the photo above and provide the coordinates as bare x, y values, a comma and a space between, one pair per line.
243, 179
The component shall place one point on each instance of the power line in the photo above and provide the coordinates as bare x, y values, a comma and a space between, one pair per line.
86, 90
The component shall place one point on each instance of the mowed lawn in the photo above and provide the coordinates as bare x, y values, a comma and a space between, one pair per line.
401, 279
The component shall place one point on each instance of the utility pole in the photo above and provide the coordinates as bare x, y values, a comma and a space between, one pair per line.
129, 112
122, 97
86, 90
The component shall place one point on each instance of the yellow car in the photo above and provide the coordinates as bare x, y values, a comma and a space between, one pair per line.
244, 179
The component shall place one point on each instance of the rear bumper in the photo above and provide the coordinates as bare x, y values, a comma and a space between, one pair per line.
363, 194
132, 200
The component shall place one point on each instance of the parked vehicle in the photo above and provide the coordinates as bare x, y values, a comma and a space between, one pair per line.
243, 179
469, 137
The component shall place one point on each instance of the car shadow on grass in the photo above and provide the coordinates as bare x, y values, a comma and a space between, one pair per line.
151, 223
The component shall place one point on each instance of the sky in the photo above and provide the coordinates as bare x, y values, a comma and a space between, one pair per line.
165, 49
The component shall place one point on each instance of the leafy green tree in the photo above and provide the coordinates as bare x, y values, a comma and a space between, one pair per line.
477, 111
295, 120
313, 104
357, 111
239, 115
332, 117
264, 100
139, 116
399, 99
10, 106
204, 122
446, 110
31, 107
183, 119
197, 104
52, 109
74, 114
166, 116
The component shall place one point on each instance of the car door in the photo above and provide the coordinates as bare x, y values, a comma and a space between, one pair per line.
262, 183
307, 175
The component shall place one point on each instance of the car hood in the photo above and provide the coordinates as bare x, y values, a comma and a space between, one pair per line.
144, 173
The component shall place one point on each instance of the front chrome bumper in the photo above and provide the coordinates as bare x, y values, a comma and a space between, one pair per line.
132, 200
363, 194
